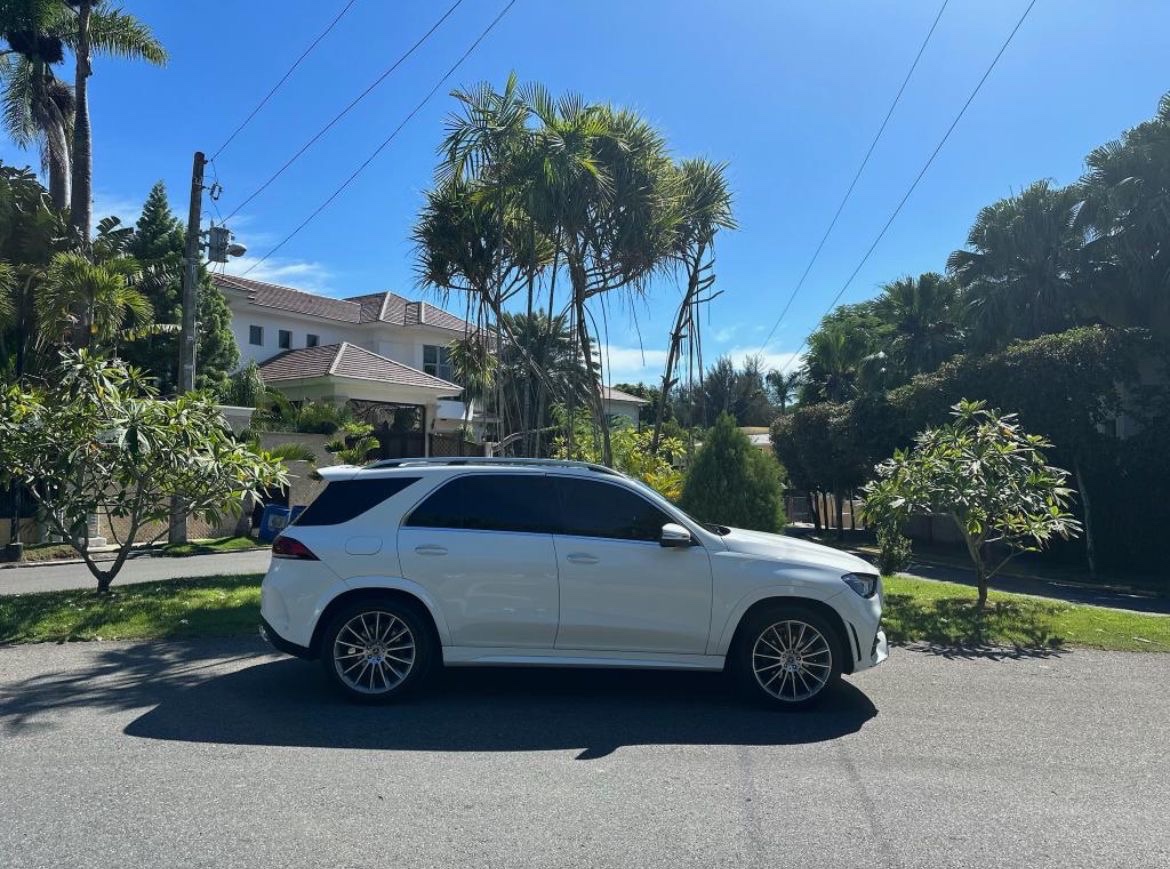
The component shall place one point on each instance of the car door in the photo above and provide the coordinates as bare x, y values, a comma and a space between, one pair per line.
621, 590
481, 545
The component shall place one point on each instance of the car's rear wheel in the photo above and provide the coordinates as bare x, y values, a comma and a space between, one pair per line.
377, 650
787, 656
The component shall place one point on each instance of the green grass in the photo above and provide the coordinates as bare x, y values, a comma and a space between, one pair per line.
48, 551
210, 546
214, 606
944, 614
917, 610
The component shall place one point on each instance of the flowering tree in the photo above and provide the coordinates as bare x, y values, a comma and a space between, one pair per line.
96, 438
986, 474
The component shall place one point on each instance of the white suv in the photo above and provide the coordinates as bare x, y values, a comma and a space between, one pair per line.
409, 564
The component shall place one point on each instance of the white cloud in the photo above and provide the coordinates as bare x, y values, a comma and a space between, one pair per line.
111, 205
299, 274
631, 364
772, 359
726, 333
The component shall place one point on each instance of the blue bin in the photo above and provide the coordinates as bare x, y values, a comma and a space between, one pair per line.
272, 521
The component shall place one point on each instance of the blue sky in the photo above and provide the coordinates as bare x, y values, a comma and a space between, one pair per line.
788, 93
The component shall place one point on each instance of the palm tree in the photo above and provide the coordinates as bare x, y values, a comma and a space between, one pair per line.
83, 302
474, 367
922, 312
1021, 276
839, 362
38, 110
1127, 257
705, 208
785, 386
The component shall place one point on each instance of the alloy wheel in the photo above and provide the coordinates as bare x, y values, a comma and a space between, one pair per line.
792, 660
374, 652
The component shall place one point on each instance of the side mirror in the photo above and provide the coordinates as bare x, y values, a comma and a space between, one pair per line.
675, 535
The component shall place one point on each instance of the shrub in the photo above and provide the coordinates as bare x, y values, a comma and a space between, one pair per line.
893, 550
733, 483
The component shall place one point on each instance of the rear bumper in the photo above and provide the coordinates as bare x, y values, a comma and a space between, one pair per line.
280, 643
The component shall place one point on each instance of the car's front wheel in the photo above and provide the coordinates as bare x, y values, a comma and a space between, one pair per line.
786, 656
377, 650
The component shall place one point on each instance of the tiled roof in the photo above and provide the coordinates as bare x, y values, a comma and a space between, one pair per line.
287, 299
369, 308
347, 360
608, 393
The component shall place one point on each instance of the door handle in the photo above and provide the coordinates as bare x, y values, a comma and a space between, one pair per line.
431, 549
582, 558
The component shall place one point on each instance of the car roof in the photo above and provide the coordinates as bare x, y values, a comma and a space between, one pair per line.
397, 467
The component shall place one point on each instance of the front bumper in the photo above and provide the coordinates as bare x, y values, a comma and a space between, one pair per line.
280, 643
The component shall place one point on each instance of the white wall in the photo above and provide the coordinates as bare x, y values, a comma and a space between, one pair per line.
328, 332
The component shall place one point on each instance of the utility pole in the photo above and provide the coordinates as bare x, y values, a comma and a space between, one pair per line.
191, 258
177, 533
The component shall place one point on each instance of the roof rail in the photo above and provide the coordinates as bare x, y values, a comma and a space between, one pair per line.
491, 460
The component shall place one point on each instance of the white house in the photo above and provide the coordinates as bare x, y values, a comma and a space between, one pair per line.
380, 351
618, 403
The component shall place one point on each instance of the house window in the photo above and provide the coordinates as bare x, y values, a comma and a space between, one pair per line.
284, 339
312, 340
256, 335
437, 362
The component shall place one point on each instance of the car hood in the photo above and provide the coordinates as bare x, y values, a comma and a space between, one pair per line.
792, 549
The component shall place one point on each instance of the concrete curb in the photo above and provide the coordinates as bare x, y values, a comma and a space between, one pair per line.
64, 562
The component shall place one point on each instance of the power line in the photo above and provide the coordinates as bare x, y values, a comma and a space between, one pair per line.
856, 176
345, 111
450, 71
921, 173
283, 79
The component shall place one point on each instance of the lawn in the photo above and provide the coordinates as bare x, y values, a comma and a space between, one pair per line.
944, 614
211, 546
917, 610
213, 606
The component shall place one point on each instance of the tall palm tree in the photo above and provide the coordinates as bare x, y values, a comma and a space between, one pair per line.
38, 110
704, 209
1020, 277
1127, 257
785, 386
922, 312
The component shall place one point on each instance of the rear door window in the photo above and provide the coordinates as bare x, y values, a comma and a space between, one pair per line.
522, 503
343, 500
594, 509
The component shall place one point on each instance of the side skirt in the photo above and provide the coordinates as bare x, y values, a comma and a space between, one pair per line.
480, 656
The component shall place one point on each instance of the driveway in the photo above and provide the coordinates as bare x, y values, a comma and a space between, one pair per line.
59, 577
220, 754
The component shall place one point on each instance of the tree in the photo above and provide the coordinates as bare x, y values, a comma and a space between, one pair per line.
474, 367
631, 450
784, 387
157, 243
96, 438
705, 207
985, 473
1021, 276
1126, 256
845, 355
96, 28
733, 483
924, 328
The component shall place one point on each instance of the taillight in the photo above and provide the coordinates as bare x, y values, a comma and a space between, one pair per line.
290, 547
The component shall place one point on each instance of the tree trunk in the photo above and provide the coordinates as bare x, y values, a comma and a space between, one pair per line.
597, 405
81, 211
676, 344
838, 496
59, 168
816, 514
1086, 508
975, 551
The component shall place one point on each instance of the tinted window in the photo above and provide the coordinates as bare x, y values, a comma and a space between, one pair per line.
284, 339
311, 340
256, 335
343, 500
593, 509
489, 502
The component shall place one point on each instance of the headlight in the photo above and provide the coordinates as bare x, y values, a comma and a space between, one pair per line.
865, 584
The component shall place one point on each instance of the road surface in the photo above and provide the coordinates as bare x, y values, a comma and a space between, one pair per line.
220, 754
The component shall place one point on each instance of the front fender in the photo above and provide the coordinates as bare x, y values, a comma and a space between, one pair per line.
722, 635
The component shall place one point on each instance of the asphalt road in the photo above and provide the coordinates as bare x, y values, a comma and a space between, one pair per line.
219, 754
58, 577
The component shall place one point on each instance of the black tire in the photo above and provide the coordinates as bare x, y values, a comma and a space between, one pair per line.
765, 671
381, 664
